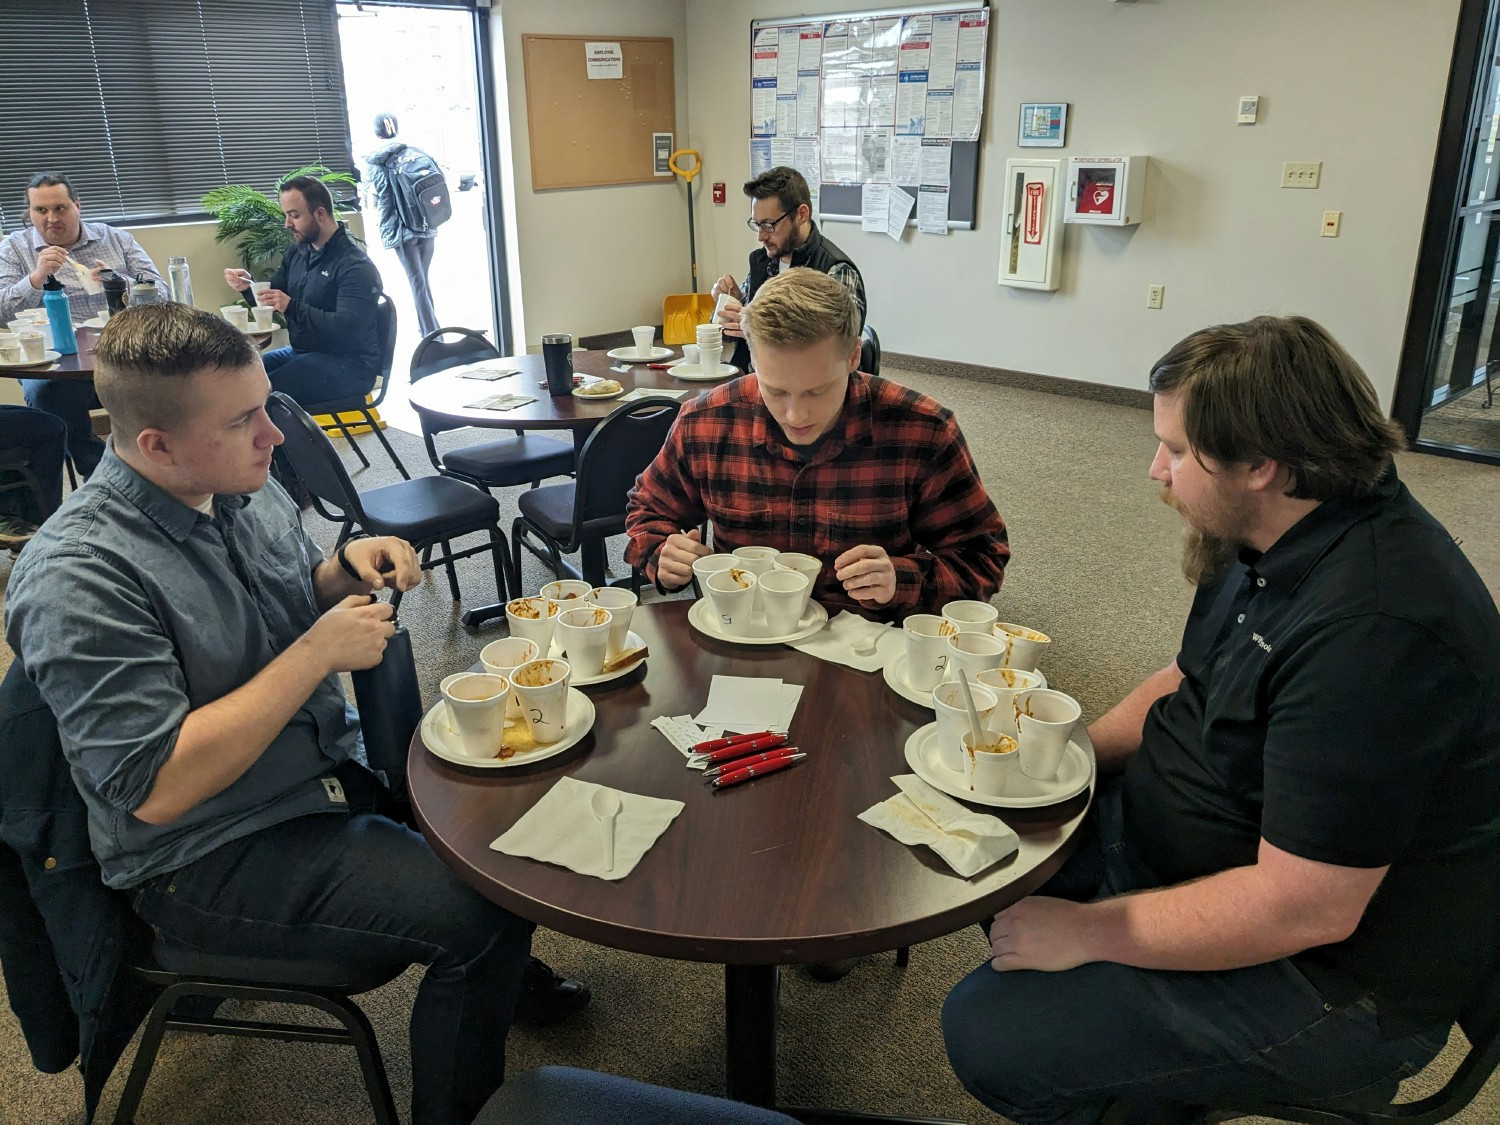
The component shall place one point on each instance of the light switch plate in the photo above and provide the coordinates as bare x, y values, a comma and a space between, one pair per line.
1301, 173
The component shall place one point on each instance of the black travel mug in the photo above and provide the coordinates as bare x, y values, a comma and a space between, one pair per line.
557, 354
114, 290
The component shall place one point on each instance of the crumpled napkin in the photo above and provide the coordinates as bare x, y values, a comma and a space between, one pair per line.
919, 814
561, 828
836, 642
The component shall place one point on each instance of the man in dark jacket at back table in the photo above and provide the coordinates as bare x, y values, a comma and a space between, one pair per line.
781, 217
327, 289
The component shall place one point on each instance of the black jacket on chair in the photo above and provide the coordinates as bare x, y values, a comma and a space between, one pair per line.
63, 933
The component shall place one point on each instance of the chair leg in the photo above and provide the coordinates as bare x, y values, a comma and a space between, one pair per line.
380, 434
903, 955
344, 429
145, 1055
376, 1084
500, 555
448, 566
72, 476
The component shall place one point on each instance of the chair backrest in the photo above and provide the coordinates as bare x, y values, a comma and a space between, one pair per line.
385, 325
435, 352
314, 459
869, 351
615, 454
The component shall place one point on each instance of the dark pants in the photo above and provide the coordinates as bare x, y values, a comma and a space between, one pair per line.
311, 378
1059, 1047
416, 260
42, 436
71, 400
360, 889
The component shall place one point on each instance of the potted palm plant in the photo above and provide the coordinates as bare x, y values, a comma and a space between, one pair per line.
253, 219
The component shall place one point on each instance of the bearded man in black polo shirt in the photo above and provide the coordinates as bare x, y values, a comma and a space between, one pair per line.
1295, 884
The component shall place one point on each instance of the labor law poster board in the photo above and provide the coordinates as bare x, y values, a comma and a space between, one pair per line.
594, 104
882, 97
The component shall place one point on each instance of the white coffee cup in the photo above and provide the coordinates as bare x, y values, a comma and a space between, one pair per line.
542, 688
259, 287
643, 334
926, 649
10, 348
689, 353
476, 701
237, 315
1045, 719
953, 718
533, 618
565, 590
1006, 683
709, 357
971, 616
783, 593
621, 605
502, 657
33, 345
711, 564
264, 316
758, 561
1023, 646
583, 633
973, 653
810, 565
991, 769
732, 594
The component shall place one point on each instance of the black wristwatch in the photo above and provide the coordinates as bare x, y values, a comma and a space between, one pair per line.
344, 559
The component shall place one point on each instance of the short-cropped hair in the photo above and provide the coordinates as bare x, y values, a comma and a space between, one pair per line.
313, 190
147, 351
801, 307
1281, 388
786, 184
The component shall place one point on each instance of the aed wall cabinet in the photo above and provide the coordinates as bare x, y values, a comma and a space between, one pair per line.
1032, 250
1105, 190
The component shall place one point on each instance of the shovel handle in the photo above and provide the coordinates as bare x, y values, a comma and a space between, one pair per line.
686, 173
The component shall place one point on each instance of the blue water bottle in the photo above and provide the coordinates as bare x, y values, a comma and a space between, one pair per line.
55, 301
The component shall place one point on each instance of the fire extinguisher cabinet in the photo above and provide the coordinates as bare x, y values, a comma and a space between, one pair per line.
1105, 191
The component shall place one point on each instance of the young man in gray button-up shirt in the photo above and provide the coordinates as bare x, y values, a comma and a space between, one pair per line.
188, 636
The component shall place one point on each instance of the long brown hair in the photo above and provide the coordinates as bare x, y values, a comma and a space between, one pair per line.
1281, 388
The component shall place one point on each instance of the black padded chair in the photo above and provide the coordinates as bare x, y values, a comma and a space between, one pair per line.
558, 519
503, 463
17, 463
385, 318
424, 511
869, 351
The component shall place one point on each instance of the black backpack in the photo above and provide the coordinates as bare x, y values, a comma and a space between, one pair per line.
421, 192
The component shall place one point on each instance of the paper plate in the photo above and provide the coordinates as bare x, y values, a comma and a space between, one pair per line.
442, 739
895, 679
694, 373
578, 394
630, 355
20, 365
1074, 775
703, 618
632, 640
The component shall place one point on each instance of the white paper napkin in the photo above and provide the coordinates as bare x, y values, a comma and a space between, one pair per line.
749, 703
919, 814
836, 643
561, 828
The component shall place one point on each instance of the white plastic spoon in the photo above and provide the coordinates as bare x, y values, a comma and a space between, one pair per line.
606, 806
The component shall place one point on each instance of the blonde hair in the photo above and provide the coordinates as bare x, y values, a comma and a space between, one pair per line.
800, 307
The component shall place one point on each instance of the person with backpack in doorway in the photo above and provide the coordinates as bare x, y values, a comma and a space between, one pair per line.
409, 189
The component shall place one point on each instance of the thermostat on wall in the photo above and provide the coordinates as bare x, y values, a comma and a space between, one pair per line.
1249, 106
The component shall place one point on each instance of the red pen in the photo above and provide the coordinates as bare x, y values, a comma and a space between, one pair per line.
730, 740
749, 772
745, 763
740, 749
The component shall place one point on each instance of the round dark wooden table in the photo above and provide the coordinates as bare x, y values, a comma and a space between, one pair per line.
774, 871
80, 365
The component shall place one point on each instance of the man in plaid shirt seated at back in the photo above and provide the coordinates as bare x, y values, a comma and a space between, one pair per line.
808, 454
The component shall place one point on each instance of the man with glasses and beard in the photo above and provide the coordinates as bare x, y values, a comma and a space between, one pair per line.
326, 289
781, 217
1288, 891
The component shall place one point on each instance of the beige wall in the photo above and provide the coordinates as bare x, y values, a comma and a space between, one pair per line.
1357, 84
588, 260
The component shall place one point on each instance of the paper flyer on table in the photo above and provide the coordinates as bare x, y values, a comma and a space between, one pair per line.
899, 203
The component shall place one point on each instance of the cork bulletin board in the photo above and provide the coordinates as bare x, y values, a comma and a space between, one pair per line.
588, 131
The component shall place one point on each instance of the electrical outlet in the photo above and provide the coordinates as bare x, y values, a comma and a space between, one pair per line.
1301, 173
1331, 222
1155, 294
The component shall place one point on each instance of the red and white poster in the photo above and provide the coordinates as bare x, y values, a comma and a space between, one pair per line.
1032, 231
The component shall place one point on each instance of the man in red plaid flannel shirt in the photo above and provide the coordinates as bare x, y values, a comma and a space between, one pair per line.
810, 455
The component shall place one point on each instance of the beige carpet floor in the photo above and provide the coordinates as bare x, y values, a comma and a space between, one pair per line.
1464, 420
1095, 566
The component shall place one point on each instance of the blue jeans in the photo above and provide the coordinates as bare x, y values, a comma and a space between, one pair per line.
42, 436
360, 889
71, 400
313, 378
1057, 1048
